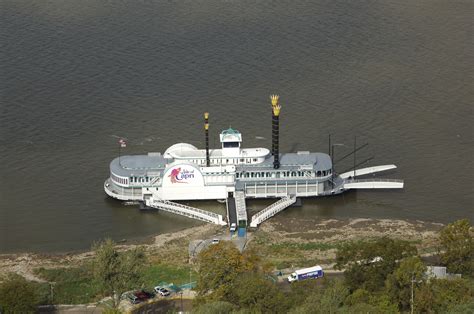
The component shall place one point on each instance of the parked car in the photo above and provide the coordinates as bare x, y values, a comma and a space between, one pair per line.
233, 227
162, 291
142, 295
215, 241
131, 298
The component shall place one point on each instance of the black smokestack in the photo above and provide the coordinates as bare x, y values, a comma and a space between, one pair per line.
275, 131
206, 131
275, 139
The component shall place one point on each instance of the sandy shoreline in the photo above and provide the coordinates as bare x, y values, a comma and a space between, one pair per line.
296, 230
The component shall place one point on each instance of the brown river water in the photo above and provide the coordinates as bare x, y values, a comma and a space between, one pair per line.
76, 75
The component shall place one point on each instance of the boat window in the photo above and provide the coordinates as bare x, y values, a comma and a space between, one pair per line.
318, 173
255, 159
231, 144
293, 174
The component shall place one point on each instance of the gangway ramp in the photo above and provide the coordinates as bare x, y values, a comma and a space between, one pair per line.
231, 210
272, 210
366, 171
185, 210
240, 207
373, 184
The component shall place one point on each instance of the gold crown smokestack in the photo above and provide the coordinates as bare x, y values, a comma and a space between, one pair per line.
276, 108
206, 131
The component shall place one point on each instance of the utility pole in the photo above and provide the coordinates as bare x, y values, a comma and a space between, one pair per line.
412, 293
51, 285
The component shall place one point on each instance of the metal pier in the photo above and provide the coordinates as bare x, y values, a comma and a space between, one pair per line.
186, 211
272, 210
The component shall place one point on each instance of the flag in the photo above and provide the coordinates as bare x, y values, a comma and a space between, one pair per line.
122, 143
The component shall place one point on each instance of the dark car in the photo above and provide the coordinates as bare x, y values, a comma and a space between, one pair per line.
143, 295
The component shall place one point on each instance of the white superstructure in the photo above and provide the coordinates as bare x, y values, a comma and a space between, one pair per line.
184, 172
181, 173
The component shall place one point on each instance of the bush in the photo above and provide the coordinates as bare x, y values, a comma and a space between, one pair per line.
17, 295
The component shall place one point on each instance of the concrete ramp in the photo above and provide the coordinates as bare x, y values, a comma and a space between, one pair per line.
272, 210
373, 184
184, 210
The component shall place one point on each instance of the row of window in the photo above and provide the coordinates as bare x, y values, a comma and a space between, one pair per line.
227, 161
119, 180
144, 179
140, 179
281, 174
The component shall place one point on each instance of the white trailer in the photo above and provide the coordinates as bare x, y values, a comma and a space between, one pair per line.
305, 273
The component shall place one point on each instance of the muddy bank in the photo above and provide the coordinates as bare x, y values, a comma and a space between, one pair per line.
163, 245
303, 241
334, 230
172, 247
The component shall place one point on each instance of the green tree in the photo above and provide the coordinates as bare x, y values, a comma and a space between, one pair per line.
334, 295
301, 290
360, 308
217, 307
463, 308
368, 263
255, 292
218, 267
117, 271
443, 295
398, 284
329, 300
362, 301
17, 295
457, 246
357, 297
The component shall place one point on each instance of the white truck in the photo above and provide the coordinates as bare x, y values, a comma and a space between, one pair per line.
305, 273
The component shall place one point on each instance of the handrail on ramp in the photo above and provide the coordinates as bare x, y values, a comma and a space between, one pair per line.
272, 210
187, 211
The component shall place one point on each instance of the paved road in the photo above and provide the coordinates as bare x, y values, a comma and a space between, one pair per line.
197, 246
165, 306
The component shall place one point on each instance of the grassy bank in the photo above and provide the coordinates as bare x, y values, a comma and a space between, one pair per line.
316, 241
296, 244
76, 285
